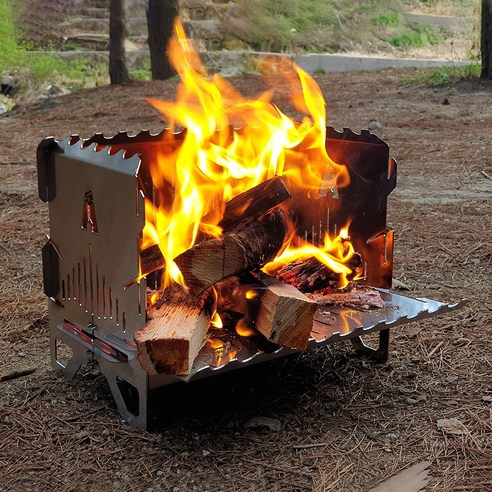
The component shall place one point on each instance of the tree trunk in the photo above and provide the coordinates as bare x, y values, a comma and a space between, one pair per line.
161, 15
486, 39
118, 73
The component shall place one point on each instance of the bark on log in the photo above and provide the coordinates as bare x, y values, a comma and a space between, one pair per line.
247, 247
174, 334
247, 206
285, 315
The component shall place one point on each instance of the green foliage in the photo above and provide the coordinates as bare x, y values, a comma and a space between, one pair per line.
20, 57
70, 47
319, 71
11, 54
443, 76
417, 38
389, 19
279, 25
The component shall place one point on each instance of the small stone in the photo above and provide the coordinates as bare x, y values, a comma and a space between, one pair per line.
421, 398
205, 452
159, 473
263, 422
391, 437
451, 403
374, 125
21, 354
175, 489
3, 109
452, 379
411, 401
105, 432
6, 420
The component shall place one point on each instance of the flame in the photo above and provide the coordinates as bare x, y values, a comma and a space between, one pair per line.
244, 328
334, 253
195, 174
222, 352
216, 321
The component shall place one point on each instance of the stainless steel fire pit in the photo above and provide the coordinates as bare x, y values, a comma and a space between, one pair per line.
96, 188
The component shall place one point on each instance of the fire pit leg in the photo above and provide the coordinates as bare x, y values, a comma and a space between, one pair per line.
379, 354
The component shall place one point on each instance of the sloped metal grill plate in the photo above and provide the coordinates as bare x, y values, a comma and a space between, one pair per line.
333, 324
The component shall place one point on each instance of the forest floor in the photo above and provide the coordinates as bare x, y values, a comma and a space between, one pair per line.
365, 422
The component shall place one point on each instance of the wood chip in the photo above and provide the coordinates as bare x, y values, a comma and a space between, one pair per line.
452, 426
412, 479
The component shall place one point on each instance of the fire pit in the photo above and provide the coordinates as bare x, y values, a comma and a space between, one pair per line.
173, 257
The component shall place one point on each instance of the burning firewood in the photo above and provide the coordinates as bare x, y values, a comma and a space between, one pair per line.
253, 203
175, 332
319, 283
279, 311
247, 206
310, 275
248, 246
285, 314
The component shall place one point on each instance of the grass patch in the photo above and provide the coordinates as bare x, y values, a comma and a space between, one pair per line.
30, 66
390, 19
443, 76
417, 38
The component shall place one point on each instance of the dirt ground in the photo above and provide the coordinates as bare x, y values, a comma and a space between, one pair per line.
346, 424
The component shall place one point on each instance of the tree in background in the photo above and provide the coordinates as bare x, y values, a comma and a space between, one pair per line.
161, 15
486, 41
118, 72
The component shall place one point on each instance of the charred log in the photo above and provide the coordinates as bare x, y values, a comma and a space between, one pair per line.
247, 206
311, 275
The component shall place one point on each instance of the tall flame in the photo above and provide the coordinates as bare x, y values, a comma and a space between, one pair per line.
212, 161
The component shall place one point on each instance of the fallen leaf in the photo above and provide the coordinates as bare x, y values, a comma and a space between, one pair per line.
452, 426
263, 422
412, 479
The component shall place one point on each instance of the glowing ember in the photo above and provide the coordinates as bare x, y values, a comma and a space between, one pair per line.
212, 162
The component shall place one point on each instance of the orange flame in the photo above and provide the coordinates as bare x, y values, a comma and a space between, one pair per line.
244, 328
222, 352
198, 171
334, 253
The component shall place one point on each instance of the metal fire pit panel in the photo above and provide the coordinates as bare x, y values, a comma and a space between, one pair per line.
96, 215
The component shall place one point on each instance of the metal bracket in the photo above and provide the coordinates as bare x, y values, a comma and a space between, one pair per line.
379, 354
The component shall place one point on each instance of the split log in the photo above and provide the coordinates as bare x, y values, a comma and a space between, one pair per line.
174, 333
247, 206
244, 248
285, 315
311, 275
